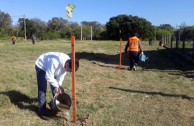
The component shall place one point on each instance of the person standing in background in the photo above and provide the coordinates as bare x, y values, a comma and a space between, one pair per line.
13, 39
33, 37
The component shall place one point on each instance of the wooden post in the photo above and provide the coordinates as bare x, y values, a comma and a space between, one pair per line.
193, 47
177, 39
73, 80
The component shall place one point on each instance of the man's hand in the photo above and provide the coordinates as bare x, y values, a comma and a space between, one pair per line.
60, 90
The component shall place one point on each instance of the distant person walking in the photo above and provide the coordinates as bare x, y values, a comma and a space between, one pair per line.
33, 37
51, 67
13, 39
134, 49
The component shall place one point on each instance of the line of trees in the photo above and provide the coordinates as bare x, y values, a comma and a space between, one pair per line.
116, 27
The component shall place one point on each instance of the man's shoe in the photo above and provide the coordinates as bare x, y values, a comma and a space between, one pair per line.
134, 68
130, 69
44, 116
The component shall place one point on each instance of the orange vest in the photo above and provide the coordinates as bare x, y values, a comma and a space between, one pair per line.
133, 44
13, 38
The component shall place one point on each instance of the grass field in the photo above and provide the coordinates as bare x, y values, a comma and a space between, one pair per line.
159, 93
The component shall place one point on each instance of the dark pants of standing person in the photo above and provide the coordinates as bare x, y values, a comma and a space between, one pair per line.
42, 87
13, 42
133, 59
33, 41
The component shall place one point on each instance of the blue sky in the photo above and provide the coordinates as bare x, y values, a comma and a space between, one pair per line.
174, 12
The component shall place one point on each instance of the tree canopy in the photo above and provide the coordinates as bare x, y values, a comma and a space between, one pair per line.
5, 24
124, 25
5, 20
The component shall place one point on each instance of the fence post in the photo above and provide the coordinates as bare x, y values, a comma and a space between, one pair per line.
171, 41
177, 39
193, 47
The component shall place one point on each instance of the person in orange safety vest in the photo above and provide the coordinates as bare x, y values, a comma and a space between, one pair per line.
134, 49
13, 39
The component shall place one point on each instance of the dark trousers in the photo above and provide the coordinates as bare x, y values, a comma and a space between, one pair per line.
133, 58
42, 87
13, 42
33, 41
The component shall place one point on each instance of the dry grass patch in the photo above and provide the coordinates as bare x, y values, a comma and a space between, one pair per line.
159, 93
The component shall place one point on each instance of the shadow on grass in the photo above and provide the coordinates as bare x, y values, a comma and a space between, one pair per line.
22, 101
109, 66
154, 93
161, 59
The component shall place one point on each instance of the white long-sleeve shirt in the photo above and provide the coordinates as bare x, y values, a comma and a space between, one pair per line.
53, 63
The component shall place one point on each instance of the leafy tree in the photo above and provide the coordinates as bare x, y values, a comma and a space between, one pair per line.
28, 25
161, 32
51, 35
73, 29
39, 28
167, 27
187, 33
5, 20
5, 24
97, 28
65, 33
124, 25
33, 26
57, 23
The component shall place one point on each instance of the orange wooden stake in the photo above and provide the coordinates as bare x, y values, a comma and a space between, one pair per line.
120, 59
73, 80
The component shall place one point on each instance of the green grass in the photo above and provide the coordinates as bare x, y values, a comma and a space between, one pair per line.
160, 93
